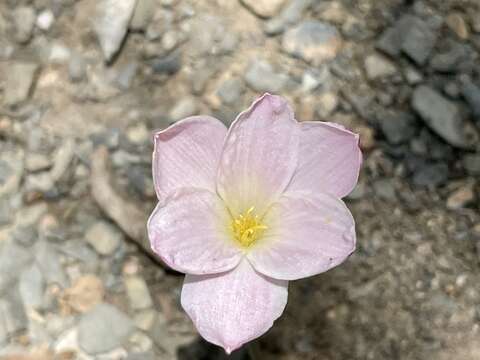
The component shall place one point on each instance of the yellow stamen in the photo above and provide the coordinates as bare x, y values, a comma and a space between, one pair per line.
247, 227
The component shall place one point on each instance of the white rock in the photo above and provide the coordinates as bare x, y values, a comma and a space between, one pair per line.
45, 20
377, 66
104, 238
111, 24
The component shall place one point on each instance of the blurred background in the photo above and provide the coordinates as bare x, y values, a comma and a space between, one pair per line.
84, 82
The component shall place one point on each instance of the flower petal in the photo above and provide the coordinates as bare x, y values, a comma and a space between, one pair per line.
259, 156
329, 159
186, 154
233, 308
308, 234
189, 233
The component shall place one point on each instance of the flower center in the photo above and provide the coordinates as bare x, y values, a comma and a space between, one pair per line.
247, 227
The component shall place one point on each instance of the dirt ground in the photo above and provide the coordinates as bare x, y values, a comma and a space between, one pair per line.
403, 74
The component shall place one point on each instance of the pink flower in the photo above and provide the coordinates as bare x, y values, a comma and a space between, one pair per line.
243, 211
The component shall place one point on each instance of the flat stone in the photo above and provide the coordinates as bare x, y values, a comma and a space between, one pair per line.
461, 197
185, 107
104, 238
431, 175
19, 82
32, 286
11, 171
77, 67
138, 293
263, 8
411, 35
36, 162
230, 91
62, 158
457, 24
12, 260
419, 42
6, 213
12, 314
142, 15
103, 329
24, 18
47, 259
377, 66
398, 127
441, 115
261, 77
313, 41
111, 24
450, 59
169, 64
291, 13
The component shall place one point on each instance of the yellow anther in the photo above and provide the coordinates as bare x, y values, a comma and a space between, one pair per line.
247, 227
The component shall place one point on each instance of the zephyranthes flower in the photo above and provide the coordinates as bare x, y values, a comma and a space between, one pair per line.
243, 211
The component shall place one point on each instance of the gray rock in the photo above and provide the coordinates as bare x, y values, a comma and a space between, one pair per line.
431, 175
261, 77
35, 161
19, 82
377, 66
471, 163
312, 41
12, 260
126, 75
111, 24
419, 42
398, 127
104, 238
48, 260
103, 329
411, 35
143, 14
185, 107
6, 214
230, 91
25, 235
384, 189
290, 14
471, 94
24, 18
12, 314
138, 293
32, 286
263, 8
11, 172
448, 61
77, 67
441, 115
169, 64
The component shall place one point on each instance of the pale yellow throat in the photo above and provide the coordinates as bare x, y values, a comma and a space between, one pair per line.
247, 227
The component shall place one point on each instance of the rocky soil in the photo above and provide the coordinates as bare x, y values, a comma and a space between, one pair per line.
84, 82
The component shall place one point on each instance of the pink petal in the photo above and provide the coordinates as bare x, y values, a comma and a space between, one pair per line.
186, 154
329, 159
233, 308
308, 234
259, 155
189, 231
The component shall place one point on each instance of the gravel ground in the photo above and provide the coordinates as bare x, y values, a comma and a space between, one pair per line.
84, 82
